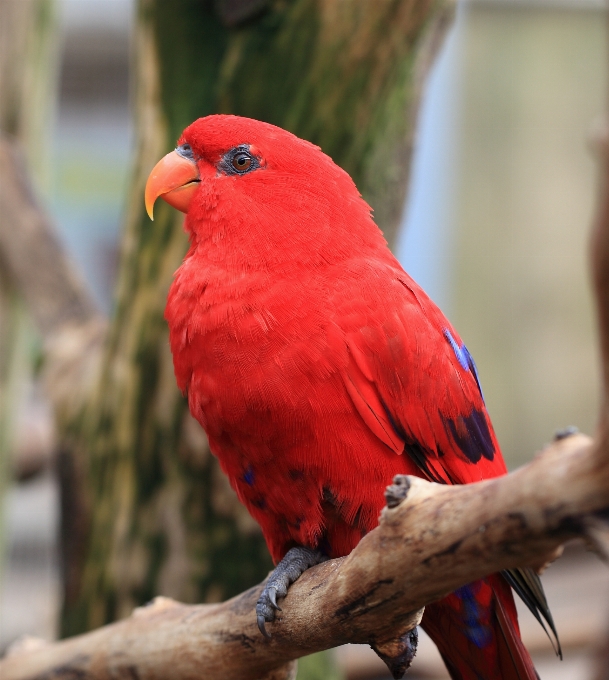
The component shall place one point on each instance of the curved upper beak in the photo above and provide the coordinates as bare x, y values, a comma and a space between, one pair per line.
175, 179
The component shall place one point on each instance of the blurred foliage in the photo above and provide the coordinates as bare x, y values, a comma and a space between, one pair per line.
318, 667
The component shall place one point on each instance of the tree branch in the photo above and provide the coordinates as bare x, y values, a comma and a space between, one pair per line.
434, 541
32, 254
69, 322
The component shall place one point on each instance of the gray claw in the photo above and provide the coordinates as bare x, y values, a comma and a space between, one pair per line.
272, 593
296, 561
262, 626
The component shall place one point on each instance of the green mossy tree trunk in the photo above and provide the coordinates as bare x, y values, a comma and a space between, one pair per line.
160, 517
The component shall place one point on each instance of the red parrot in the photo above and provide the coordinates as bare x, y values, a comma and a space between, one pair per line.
319, 370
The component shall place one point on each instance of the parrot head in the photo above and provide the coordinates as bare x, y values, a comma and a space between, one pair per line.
264, 190
221, 147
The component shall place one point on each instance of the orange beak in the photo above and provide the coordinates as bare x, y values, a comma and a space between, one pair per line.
175, 179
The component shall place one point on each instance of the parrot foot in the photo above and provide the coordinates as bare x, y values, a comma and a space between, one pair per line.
398, 491
295, 562
398, 654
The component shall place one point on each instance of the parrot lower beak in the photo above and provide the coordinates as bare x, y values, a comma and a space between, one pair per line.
174, 178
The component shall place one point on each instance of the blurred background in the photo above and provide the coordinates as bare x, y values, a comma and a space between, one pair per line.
495, 228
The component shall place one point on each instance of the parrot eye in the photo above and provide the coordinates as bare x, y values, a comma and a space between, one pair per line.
241, 162
238, 161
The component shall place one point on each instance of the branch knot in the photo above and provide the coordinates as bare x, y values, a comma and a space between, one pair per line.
398, 491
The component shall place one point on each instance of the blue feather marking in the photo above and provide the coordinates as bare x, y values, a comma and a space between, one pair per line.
460, 352
465, 358
473, 369
417, 453
248, 476
477, 632
476, 441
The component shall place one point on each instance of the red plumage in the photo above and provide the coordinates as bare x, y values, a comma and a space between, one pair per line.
317, 366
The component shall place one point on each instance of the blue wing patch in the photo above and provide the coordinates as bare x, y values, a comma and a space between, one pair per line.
248, 476
476, 441
472, 435
464, 358
477, 629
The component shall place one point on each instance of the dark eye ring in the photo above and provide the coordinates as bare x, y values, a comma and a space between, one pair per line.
185, 150
241, 161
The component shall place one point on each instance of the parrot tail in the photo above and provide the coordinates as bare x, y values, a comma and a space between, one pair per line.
476, 632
